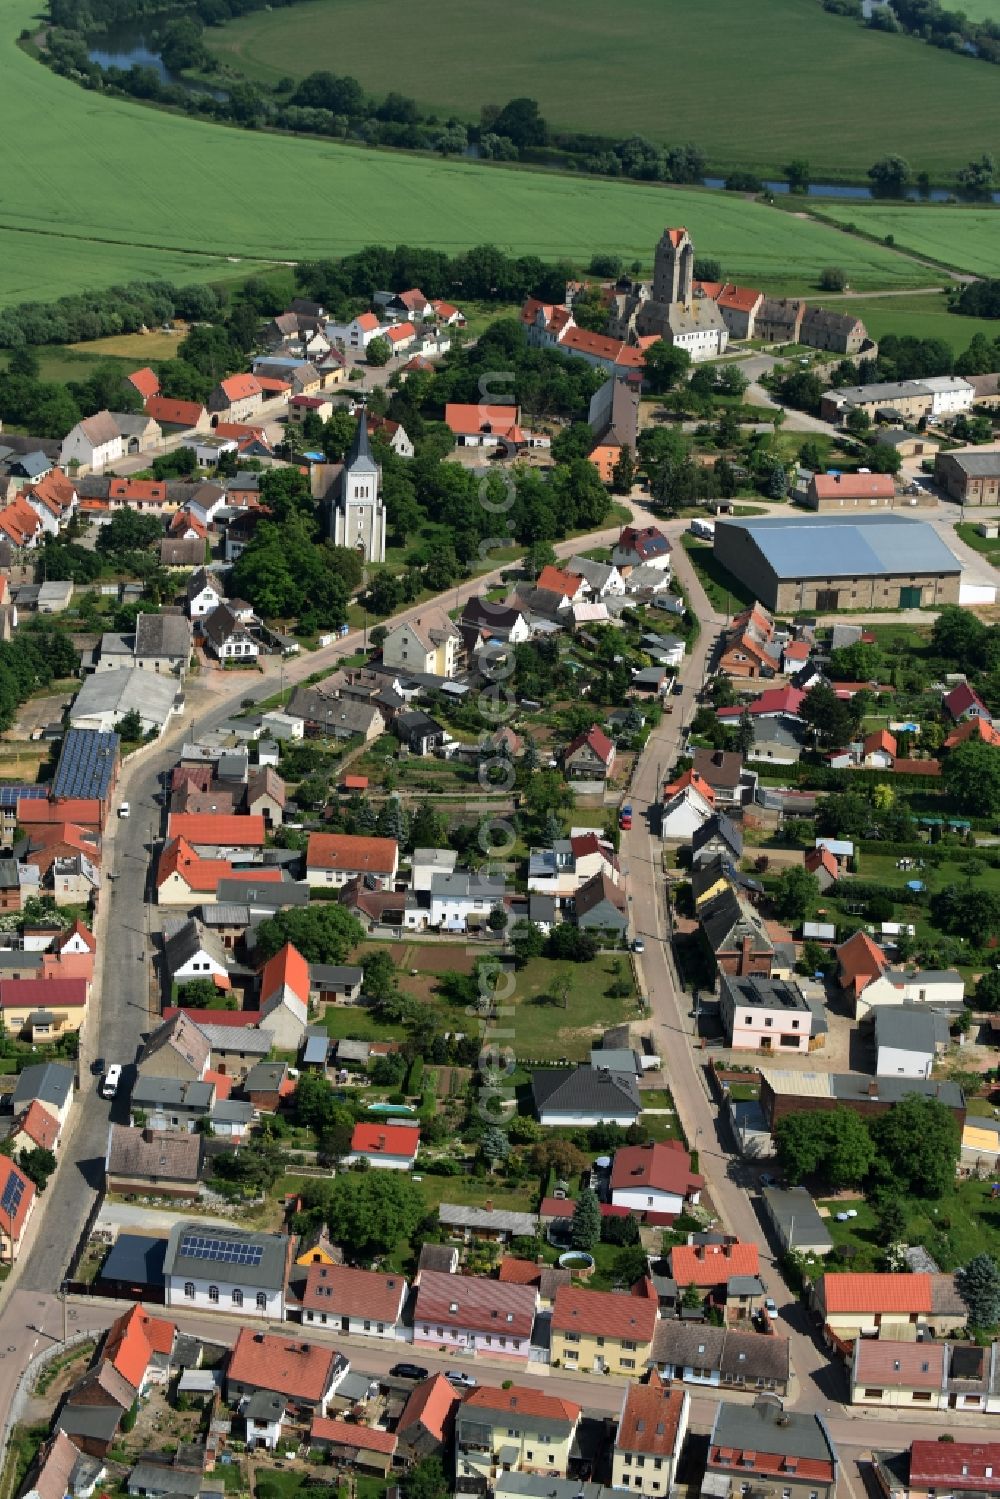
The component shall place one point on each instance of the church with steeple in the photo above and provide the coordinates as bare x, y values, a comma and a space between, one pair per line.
357, 514
674, 307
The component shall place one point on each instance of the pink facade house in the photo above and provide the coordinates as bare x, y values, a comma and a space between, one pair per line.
760, 1014
480, 1316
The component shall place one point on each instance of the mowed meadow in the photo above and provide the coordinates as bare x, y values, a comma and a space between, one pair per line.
967, 238
753, 84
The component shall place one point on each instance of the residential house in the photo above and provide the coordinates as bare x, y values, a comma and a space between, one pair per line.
284, 997
726, 1276
333, 859
162, 643
779, 320
306, 1375
889, 1304
775, 1449
467, 1312
796, 1221
204, 593
838, 332
584, 1096
227, 637
177, 1048
171, 1103
736, 936
518, 1428
739, 306
594, 1331
463, 900
898, 1375
421, 734
688, 804
717, 837
153, 1162
932, 1468
724, 771
963, 702
189, 415
361, 1447
238, 398
357, 334
644, 546
908, 1037
425, 1427
193, 952
699, 1354
391, 1147
821, 863
749, 649
650, 1437
93, 444
17, 1203
600, 906
362, 1302
841, 491
545, 1278
781, 703
590, 756
228, 1270
48, 1085
764, 1014
426, 863
266, 796
429, 644
184, 878
654, 1178
495, 1225
235, 832
62, 1470
484, 426
42, 1009
971, 476
33, 1128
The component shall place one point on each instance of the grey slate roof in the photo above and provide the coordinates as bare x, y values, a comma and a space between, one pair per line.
167, 1155
181, 946
746, 1355
48, 1082
766, 1428
728, 918
585, 1090
796, 1217
162, 635
136, 1259
269, 1273
150, 1092
266, 897
457, 1215
838, 546
157, 1478
910, 1028
241, 1038
723, 826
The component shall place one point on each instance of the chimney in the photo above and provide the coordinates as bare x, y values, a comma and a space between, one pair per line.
873, 1088
744, 960
488, 1204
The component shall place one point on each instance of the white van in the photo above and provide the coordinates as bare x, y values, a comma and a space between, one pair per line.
124, 809
113, 1076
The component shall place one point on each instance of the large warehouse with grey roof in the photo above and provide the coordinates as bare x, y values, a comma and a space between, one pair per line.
827, 562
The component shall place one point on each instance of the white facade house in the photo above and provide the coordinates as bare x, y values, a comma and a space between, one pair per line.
192, 952
428, 644
428, 862
950, 394
937, 988
386, 1147
93, 444
366, 1303
226, 1270
764, 1015
357, 334
204, 593
688, 803
263, 1415
654, 1179
462, 900
907, 1039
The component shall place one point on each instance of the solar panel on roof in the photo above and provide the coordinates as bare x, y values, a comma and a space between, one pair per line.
11, 795
222, 1251
86, 764
12, 1194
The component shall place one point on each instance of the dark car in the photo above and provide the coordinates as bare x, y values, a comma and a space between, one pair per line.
677, 689
408, 1371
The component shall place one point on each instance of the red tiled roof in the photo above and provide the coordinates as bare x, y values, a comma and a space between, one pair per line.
821, 858
604, 1313
84, 811
240, 387
880, 740
470, 1301
145, 381
218, 829
864, 486
284, 1364
178, 857
342, 851
658, 1166
133, 1339
914, 1366
78, 930
676, 236
345, 1292
554, 580
861, 960
288, 969
468, 420
776, 700
741, 298
43, 994
598, 742
712, 1264
367, 321
12, 1227
235, 1018
650, 1419
873, 1293
41, 1127
191, 775
973, 728
599, 346
432, 1405
352, 1434
400, 331
515, 1272
385, 1139
174, 413
690, 778
905, 767
355, 783
955, 1465
961, 699
522, 1400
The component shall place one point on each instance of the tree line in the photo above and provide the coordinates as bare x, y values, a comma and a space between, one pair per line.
951, 30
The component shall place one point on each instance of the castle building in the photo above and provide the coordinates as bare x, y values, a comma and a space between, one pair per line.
357, 514
671, 307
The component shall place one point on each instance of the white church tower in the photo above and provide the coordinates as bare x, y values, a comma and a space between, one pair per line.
358, 512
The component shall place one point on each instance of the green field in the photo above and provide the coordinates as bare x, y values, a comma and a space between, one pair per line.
102, 189
962, 237
921, 316
653, 79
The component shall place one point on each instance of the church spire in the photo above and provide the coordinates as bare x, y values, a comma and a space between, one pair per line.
360, 450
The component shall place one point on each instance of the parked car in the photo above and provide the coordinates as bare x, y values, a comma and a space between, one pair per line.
408, 1371
771, 1307
460, 1378
638, 945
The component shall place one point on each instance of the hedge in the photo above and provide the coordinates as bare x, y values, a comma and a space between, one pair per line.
931, 853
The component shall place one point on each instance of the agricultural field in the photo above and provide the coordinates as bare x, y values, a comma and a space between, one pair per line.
965, 238
652, 83
102, 189
137, 348
922, 316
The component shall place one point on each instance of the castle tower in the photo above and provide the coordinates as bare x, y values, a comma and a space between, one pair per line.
673, 268
358, 513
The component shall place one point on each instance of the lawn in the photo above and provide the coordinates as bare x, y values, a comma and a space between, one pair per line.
964, 1223
539, 1030
98, 190
652, 81
988, 545
924, 316
962, 237
725, 593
